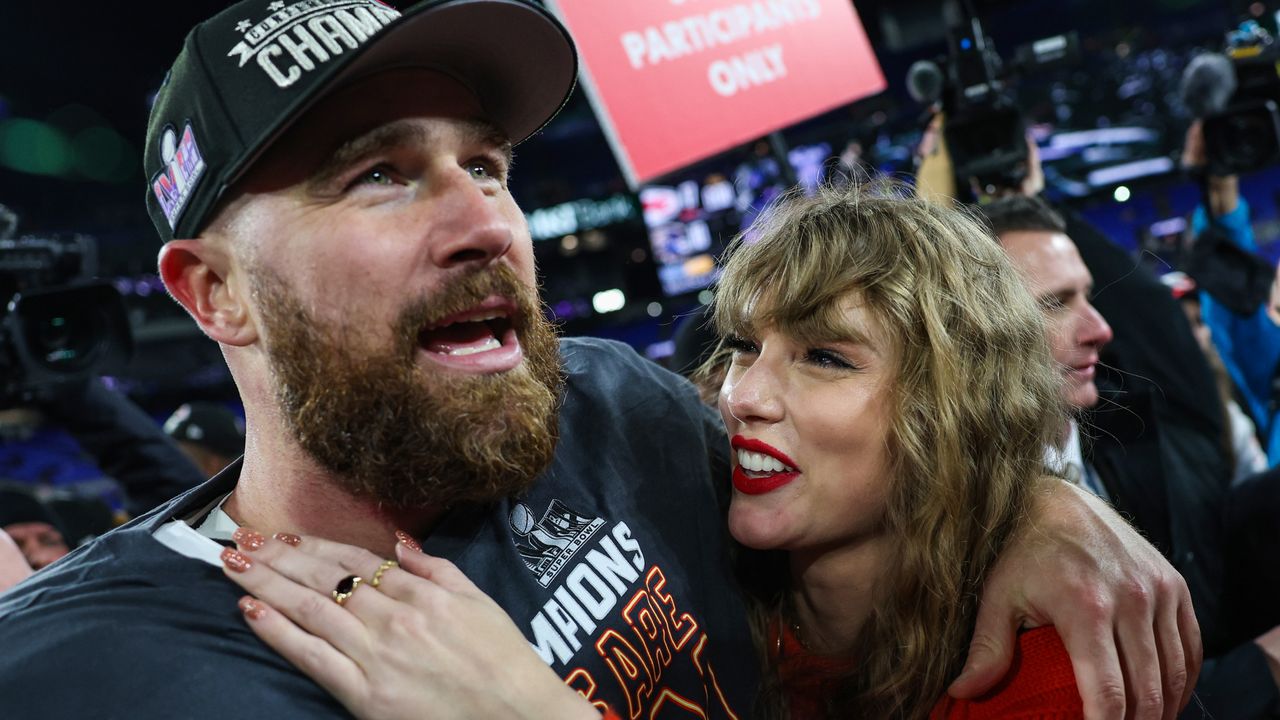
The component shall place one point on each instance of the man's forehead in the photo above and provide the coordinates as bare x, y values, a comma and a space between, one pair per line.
409, 132
1043, 257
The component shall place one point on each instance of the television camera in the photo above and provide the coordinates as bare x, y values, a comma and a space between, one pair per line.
1237, 94
985, 131
58, 325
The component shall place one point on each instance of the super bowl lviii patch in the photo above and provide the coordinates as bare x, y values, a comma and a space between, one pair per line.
183, 167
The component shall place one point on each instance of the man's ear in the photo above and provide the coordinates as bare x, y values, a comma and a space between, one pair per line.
199, 275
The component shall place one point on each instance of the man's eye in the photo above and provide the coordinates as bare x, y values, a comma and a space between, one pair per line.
1052, 304
376, 176
481, 171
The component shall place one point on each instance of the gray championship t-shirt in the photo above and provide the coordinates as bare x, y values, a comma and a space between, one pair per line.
614, 565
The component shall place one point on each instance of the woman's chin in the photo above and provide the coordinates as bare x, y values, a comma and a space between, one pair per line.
758, 530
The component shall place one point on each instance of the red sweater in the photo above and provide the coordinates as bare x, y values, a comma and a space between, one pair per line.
1040, 684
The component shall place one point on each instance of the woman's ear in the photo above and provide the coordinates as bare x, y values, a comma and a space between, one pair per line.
201, 276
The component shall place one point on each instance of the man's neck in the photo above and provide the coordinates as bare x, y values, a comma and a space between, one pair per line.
281, 489
1064, 436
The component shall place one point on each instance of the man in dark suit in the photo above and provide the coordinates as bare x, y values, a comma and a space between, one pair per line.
1120, 448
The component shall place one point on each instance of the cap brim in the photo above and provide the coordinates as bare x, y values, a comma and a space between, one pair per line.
518, 60
516, 57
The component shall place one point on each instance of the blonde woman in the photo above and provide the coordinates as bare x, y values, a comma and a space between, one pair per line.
888, 397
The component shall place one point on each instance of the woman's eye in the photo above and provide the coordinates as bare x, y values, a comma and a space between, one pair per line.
740, 345
829, 359
479, 171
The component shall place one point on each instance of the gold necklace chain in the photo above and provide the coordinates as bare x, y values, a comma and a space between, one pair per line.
794, 624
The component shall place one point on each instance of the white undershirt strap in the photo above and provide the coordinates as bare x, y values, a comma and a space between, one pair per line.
204, 542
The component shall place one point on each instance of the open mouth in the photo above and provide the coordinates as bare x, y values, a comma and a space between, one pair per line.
755, 463
760, 468
481, 338
466, 337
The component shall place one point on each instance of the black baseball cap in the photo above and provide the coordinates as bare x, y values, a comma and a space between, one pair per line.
210, 425
246, 74
19, 504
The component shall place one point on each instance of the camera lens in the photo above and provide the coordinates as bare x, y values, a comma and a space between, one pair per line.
62, 337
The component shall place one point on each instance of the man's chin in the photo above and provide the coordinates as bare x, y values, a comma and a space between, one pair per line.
1083, 397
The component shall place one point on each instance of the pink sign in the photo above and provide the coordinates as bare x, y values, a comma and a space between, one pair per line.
676, 81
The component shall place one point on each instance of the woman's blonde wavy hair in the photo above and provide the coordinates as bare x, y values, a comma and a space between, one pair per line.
975, 399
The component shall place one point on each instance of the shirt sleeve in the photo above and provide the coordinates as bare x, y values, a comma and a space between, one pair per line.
1040, 685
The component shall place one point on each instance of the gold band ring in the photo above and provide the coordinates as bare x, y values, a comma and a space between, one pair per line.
346, 588
385, 566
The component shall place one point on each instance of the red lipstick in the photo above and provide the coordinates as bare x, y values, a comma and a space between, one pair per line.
759, 485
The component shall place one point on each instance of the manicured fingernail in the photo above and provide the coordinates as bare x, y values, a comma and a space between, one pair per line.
407, 540
289, 539
251, 608
236, 560
248, 539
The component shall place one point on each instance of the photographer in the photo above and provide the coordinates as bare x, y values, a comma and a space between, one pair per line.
1248, 342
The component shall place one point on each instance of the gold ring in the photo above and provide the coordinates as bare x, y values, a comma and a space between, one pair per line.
346, 588
385, 566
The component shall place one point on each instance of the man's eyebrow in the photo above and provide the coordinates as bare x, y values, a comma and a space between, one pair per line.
1059, 296
489, 134
371, 143
400, 134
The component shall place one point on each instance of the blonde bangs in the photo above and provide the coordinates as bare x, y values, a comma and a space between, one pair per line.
794, 269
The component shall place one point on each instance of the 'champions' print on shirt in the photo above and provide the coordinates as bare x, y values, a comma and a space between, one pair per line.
609, 602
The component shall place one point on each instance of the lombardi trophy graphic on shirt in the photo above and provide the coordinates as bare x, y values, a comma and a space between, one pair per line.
547, 544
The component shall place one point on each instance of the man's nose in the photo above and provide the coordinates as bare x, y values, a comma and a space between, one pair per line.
1094, 328
470, 225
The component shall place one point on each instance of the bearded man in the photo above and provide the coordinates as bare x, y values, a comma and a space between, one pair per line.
330, 180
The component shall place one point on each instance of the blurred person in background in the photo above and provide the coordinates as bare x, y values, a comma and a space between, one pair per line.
209, 433
1241, 439
32, 525
124, 442
1247, 339
695, 341
14, 567
49, 524
1117, 447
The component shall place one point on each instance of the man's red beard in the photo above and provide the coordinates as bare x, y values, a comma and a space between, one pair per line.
390, 430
